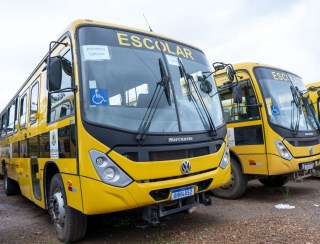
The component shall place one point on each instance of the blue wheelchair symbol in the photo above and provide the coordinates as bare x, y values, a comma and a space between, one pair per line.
99, 97
275, 110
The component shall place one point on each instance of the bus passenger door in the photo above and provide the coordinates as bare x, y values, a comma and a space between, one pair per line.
245, 127
33, 140
24, 169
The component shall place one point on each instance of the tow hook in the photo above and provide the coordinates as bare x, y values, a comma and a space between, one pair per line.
151, 215
205, 199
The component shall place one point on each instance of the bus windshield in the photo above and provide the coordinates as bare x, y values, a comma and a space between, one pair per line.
119, 75
284, 106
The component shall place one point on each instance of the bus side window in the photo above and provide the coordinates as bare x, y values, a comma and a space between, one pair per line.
23, 111
246, 108
34, 102
3, 124
62, 103
16, 115
11, 113
240, 103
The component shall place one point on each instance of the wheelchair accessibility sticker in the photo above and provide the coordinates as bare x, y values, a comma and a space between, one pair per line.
275, 110
99, 96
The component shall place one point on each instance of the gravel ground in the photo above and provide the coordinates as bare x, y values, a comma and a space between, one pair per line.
251, 219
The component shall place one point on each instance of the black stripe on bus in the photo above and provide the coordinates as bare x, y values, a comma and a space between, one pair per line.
39, 146
248, 135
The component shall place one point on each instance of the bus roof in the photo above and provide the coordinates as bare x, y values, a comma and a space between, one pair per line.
251, 65
317, 83
85, 22
244, 65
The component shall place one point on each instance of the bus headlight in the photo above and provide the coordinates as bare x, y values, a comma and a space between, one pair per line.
283, 150
108, 171
225, 158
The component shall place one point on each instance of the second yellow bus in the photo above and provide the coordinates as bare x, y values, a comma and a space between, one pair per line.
273, 131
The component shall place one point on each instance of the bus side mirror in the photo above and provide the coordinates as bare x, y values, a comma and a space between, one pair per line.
66, 66
230, 73
237, 94
206, 87
54, 73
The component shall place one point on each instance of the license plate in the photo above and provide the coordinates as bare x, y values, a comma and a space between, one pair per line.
182, 192
307, 166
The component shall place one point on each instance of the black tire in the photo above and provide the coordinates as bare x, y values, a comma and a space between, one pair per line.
236, 187
69, 224
274, 181
11, 187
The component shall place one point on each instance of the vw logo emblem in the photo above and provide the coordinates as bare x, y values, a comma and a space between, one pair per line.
185, 167
311, 150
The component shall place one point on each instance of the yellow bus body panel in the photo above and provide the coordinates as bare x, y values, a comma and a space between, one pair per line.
110, 199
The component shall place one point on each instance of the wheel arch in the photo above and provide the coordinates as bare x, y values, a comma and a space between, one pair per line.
50, 169
236, 158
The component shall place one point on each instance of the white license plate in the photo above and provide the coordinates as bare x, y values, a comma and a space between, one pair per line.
308, 166
182, 192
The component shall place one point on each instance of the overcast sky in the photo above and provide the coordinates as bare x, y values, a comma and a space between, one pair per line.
283, 33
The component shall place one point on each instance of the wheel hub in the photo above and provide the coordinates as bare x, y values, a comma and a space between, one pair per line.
229, 184
57, 209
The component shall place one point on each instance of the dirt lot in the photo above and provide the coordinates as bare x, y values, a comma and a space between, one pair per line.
251, 219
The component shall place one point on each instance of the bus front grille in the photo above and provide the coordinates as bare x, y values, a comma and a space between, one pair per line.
178, 154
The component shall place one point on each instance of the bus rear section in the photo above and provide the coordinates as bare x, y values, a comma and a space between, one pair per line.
273, 131
123, 123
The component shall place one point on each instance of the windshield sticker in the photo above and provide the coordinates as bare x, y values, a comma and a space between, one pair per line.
96, 52
99, 96
172, 60
92, 84
275, 110
150, 43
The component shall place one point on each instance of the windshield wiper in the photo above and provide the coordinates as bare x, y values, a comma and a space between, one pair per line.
154, 102
189, 79
296, 101
309, 110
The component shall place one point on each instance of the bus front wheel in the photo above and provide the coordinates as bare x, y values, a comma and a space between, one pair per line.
69, 224
274, 181
237, 185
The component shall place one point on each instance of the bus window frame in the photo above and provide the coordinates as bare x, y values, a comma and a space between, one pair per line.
33, 120
13, 103
16, 115
258, 104
51, 120
3, 128
23, 96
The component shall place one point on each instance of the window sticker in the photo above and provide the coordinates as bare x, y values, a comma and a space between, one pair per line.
92, 84
172, 60
54, 147
96, 52
99, 96
275, 110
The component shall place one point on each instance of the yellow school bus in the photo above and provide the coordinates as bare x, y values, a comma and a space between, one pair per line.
112, 119
273, 131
